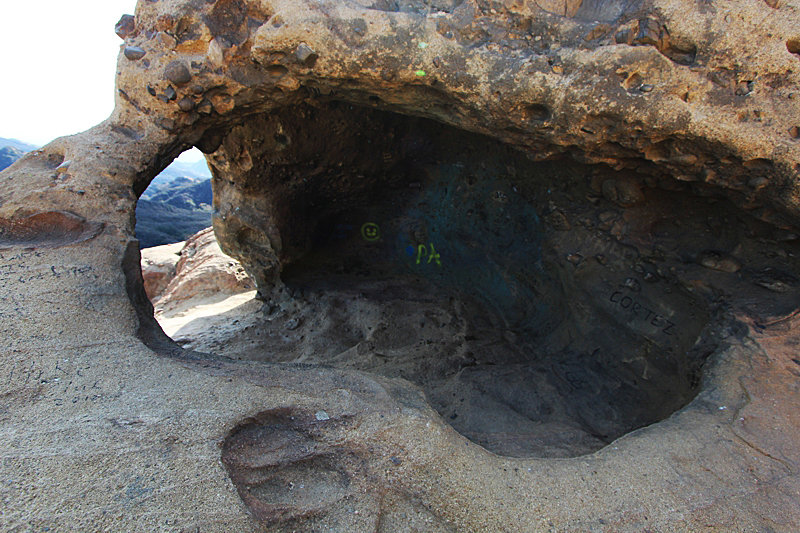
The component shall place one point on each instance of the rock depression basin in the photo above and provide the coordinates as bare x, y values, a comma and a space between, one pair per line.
525, 266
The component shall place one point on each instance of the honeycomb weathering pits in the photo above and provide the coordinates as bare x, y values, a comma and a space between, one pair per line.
665, 137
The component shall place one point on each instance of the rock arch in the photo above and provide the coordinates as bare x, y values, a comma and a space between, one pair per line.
679, 111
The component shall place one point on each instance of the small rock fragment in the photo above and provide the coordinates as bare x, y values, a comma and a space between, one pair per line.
622, 192
170, 93
633, 284
134, 53
186, 104
719, 261
63, 167
775, 280
649, 32
559, 221
306, 55
178, 73
217, 50
743, 88
166, 40
293, 324
167, 124
223, 103
205, 107
321, 416
624, 37
125, 26
577, 260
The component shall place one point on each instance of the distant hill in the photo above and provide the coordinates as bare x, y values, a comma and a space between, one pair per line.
173, 211
159, 223
19, 145
183, 193
9, 154
198, 170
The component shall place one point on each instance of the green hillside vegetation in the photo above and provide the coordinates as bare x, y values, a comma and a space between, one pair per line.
174, 211
159, 223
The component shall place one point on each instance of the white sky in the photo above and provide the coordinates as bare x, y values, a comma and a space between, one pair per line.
58, 65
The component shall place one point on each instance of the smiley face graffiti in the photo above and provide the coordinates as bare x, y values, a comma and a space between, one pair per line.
370, 232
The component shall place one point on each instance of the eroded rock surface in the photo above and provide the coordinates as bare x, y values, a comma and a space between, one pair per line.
158, 268
613, 185
201, 270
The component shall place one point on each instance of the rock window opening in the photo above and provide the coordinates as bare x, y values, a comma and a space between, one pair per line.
533, 302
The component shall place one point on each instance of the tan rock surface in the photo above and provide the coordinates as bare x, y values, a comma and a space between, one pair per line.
202, 270
158, 268
107, 425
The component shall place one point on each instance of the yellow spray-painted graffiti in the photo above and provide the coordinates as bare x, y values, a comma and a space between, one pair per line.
431, 254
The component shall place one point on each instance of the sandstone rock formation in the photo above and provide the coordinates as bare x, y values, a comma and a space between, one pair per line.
158, 268
189, 269
600, 196
199, 293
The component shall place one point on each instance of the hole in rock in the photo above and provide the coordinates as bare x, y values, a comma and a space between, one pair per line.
176, 204
793, 46
502, 287
536, 112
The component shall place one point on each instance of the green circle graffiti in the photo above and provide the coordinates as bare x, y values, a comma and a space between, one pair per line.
370, 232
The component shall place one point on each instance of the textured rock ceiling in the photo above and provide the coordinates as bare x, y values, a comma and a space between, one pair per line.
644, 153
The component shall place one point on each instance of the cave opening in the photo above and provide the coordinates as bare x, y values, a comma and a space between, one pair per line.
534, 302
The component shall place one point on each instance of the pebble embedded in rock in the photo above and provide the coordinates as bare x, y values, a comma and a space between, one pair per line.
125, 26
63, 167
205, 107
217, 49
622, 192
306, 55
293, 324
559, 221
633, 284
170, 93
134, 53
178, 73
186, 104
167, 124
719, 261
649, 32
577, 260
166, 40
775, 280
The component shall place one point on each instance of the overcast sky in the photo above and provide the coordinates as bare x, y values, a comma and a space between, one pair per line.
58, 63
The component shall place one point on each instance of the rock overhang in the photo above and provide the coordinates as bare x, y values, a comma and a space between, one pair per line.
551, 90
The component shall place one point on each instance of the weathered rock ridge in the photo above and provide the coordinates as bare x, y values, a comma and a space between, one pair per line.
600, 196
